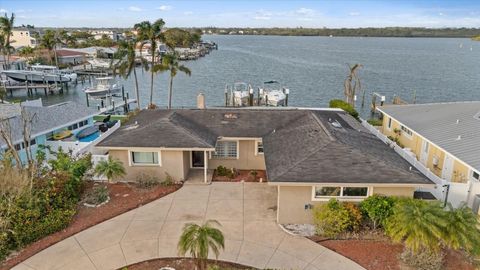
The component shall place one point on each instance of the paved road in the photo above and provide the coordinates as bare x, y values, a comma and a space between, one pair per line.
245, 210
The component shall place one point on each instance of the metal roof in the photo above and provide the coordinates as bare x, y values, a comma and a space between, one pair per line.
454, 127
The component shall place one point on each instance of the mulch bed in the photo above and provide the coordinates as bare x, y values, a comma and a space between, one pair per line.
383, 254
182, 264
123, 197
242, 176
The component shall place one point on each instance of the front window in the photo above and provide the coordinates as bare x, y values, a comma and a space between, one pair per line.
259, 147
225, 149
340, 192
145, 158
407, 131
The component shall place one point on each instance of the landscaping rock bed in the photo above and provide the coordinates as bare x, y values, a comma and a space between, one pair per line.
183, 264
242, 176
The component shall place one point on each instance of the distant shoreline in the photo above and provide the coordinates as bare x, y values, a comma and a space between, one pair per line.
403, 32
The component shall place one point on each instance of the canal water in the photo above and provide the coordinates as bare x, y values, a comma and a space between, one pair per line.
314, 69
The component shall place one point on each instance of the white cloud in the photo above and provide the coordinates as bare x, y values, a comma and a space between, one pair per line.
3, 10
164, 8
440, 13
262, 15
354, 13
20, 11
305, 12
304, 19
134, 8
188, 13
22, 17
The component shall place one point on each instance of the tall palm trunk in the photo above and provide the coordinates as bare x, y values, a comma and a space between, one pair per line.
55, 55
137, 95
170, 92
151, 77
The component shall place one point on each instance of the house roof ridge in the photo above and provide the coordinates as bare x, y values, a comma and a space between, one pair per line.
187, 130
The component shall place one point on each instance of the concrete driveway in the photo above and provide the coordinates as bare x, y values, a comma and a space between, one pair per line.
245, 210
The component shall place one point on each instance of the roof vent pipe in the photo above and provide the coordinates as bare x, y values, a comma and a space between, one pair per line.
201, 101
459, 138
458, 121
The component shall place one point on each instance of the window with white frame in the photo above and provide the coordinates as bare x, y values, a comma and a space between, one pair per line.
341, 192
407, 131
145, 158
226, 149
475, 175
259, 149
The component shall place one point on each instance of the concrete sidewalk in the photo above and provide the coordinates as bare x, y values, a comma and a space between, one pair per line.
245, 210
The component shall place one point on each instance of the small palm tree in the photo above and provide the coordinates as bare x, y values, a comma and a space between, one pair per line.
6, 27
198, 240
49, 41
461, 230
170, 63
111, 168
127, 63
150, 33
417, 223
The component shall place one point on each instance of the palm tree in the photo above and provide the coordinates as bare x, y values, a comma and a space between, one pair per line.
127, 62
198, 240
170, 63
349, 88
461, 229
6, 27
49, 41
150, 33
111, 168
417, 223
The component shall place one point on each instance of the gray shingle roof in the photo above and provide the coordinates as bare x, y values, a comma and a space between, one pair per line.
300, 145
438, 123
48, 118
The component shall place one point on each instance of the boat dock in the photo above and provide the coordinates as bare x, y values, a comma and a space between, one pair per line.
30, 87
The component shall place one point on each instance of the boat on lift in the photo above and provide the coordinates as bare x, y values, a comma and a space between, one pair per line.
273, 94
239, 93
104, 87
41, 74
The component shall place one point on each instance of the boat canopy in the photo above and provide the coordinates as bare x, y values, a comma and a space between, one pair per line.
104, 78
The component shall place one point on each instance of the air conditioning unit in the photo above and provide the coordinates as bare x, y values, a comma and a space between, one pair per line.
435, 161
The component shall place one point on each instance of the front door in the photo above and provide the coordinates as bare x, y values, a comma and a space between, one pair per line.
198, 160
424, 152
447, 171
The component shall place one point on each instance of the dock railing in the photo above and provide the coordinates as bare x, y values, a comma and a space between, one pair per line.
457, 193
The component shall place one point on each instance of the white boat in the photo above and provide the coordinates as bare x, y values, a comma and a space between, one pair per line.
100, 63
239, 93
273, 94
40, 74
103, 88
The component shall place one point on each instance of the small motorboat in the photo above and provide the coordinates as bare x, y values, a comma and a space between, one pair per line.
273, 94
103, 88
41, 74
87, 132
62, 135
239, 93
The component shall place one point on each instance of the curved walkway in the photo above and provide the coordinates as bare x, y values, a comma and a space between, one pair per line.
245, 210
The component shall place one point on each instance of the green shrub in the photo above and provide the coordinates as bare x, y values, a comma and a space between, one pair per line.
338, 103
377, 208
223, 171
333, 218
375, 122
147, 181
168, 180
97, 195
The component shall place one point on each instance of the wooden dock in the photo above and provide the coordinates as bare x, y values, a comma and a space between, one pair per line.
29, 87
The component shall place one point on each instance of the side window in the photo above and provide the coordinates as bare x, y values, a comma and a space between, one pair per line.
389, 123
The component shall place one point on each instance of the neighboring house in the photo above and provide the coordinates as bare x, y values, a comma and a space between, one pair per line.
66, 56
310, 155
444, 137
23, 37
46, 122
98, 34
94, 52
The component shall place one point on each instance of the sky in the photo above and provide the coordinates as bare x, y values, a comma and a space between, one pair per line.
247, 13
